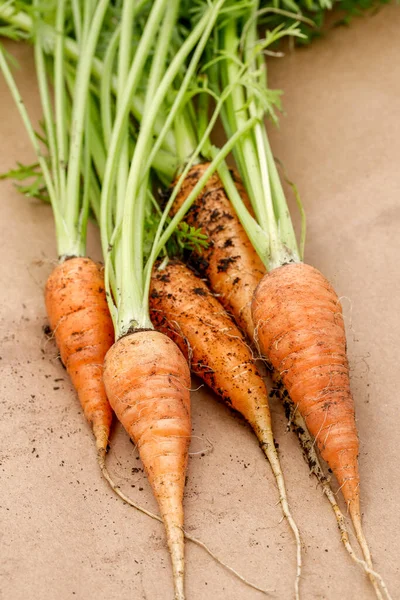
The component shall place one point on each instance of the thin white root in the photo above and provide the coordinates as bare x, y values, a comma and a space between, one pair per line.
225, 566
373, 575
101, 455
269, 450
307, 444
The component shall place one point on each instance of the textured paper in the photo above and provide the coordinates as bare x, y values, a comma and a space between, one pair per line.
63, 533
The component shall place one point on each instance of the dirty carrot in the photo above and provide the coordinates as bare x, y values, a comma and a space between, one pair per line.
229, 262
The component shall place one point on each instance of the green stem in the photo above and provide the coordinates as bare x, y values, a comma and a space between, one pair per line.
106, 86
124, 59
78, 116
263, 197
134, 212
200, 34
142, 51
59, 101
63, 240
76, 12
46, 106
83, 219
286, 230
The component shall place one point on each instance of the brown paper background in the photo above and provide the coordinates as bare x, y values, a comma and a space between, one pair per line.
63, 533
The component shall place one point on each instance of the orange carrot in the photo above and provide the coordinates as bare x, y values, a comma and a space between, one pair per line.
79, 317
300, 330
230, 263
299, 327
182, 307
147, 381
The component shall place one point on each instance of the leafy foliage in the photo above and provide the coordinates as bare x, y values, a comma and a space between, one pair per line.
35, 186
191, 239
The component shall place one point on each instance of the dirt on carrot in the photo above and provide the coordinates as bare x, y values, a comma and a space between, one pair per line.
230, 263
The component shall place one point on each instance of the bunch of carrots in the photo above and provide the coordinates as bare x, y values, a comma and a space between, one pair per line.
202, 267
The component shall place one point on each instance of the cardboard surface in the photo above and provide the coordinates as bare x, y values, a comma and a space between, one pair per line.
63, 533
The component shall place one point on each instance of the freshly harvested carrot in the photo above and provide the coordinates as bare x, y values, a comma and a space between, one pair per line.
182, 307
79, 317
230, 262
147, 381
300, 330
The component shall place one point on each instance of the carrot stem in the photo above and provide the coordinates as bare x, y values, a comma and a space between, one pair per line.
78, 113
60, 101
61, 237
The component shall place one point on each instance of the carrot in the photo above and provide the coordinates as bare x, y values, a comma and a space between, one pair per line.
229, 262
81, 322
299, 328
79, 317
147, 381
182, 307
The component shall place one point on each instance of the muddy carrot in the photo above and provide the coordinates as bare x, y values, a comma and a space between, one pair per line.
229, 262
